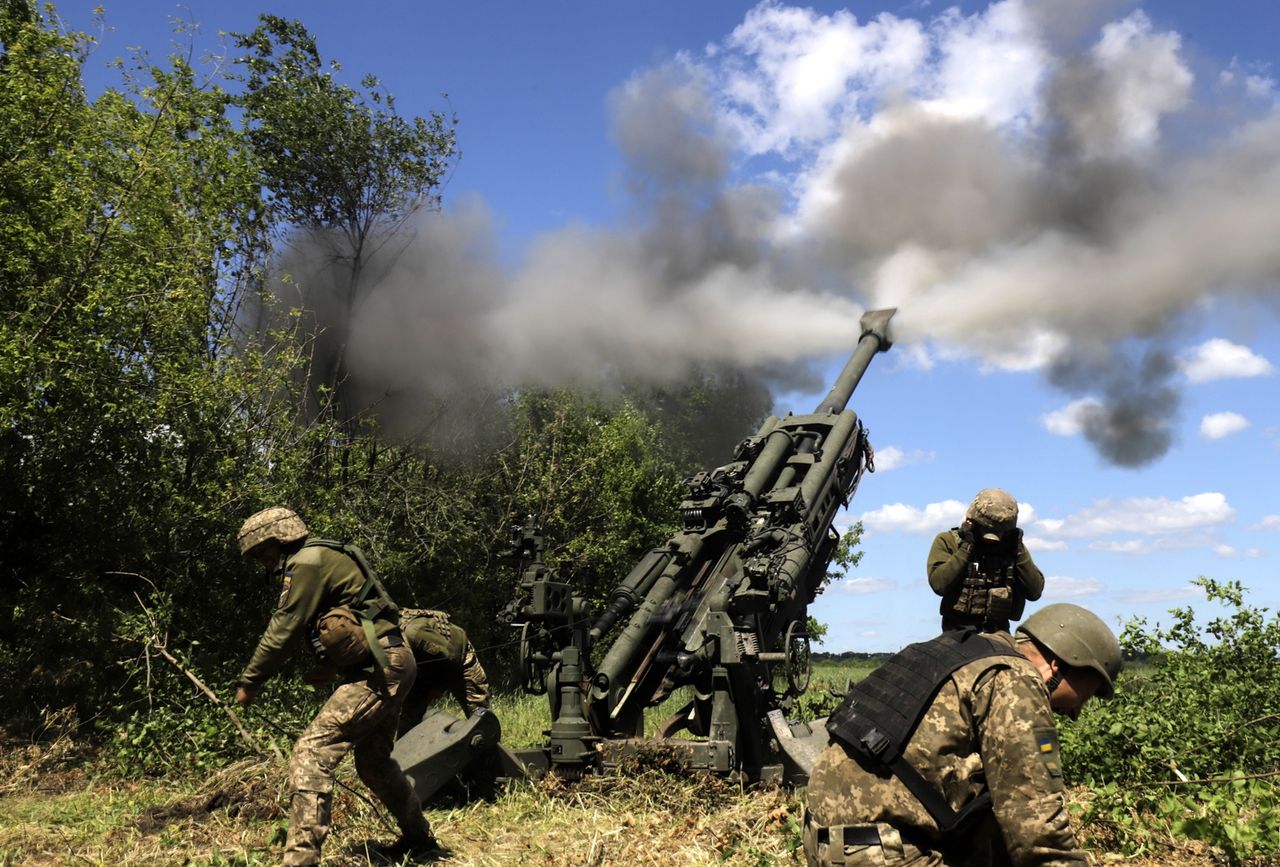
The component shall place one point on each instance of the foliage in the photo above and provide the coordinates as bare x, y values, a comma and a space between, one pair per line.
339, 166
127, 225
1189, 740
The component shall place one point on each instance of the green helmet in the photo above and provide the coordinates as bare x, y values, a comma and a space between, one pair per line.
1079, 638
278, 523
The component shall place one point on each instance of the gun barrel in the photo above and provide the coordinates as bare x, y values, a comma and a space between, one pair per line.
875, 338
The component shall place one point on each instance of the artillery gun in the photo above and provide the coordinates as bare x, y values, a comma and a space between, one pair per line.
720, 609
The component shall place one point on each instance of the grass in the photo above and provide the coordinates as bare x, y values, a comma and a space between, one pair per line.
54, 811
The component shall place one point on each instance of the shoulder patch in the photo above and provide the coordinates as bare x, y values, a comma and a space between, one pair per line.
1046, 741
284, 591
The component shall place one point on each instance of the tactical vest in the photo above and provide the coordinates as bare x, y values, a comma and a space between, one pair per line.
985, 596
880, 713
345, 635
435, 631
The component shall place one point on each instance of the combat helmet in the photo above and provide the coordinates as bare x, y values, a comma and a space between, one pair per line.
1079, 638
994, 511
278, 523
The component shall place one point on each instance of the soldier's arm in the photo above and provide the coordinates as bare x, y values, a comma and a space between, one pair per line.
948, 562
1028, 574
298, 603
1019, 745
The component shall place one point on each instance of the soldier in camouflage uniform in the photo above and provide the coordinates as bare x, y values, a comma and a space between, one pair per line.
325, 592
981, 569
988, 732
446, 663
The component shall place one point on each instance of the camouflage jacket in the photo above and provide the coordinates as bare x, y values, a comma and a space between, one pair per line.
989, 728
314, 579
446, 660
949, 565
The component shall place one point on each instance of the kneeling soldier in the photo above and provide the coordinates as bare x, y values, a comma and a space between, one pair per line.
446, 663
948, 754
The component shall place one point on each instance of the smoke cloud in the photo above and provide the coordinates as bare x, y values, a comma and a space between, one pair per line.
1034, 188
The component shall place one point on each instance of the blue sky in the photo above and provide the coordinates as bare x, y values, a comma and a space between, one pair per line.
1074, 206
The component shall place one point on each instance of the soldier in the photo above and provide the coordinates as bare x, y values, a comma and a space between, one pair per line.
981, 569
331, 596
948, 753
446, 663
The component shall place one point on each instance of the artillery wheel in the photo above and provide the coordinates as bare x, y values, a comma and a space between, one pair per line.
531, 675
798, 666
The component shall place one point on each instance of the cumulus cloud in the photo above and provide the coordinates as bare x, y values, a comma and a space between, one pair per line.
1270, 522
1142, 515
1176, 594
892, 458
862, 586
1222, 359
1063, 587
901, 518
1040, 543
1069, 421
1220, 424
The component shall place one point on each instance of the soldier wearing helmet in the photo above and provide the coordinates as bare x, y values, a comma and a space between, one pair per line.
948, 754
981, 569
331, 599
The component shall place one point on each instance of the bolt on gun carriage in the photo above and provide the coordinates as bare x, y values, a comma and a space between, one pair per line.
721, 608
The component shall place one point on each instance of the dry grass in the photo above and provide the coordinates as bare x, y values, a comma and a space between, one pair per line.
52, 812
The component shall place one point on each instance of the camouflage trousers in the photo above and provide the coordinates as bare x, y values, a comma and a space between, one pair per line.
360, 716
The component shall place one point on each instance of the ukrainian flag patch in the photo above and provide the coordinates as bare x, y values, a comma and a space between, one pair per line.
1046, 741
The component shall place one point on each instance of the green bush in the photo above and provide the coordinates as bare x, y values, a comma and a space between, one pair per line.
1188, 744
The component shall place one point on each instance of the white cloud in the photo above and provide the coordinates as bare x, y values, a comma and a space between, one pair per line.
863, 586
1222, 359
1142, 597
1270, 522
1063, 587
992, 65
1146, 79
793, 77
892, 458
1230, 552
1069, 420
1039, 543
1142, 515
901, 518
1221, 424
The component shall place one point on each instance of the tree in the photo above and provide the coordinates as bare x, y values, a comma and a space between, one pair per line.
126, 226
341, 167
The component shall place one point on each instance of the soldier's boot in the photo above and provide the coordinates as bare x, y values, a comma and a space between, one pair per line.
309, 819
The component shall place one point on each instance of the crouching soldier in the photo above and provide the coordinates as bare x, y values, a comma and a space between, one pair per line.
446, 663
330, 596
948, 754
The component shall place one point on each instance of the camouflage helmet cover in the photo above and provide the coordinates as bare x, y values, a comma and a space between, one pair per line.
994, 510
278, 523
1079, 638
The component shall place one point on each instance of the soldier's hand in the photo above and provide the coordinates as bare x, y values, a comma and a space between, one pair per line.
245, 695
966, 533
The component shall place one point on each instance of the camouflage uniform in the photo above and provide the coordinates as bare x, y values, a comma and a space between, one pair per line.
980, 586
446, 662
990, 727
362, 712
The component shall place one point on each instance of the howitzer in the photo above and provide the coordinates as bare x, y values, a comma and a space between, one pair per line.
720, 609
